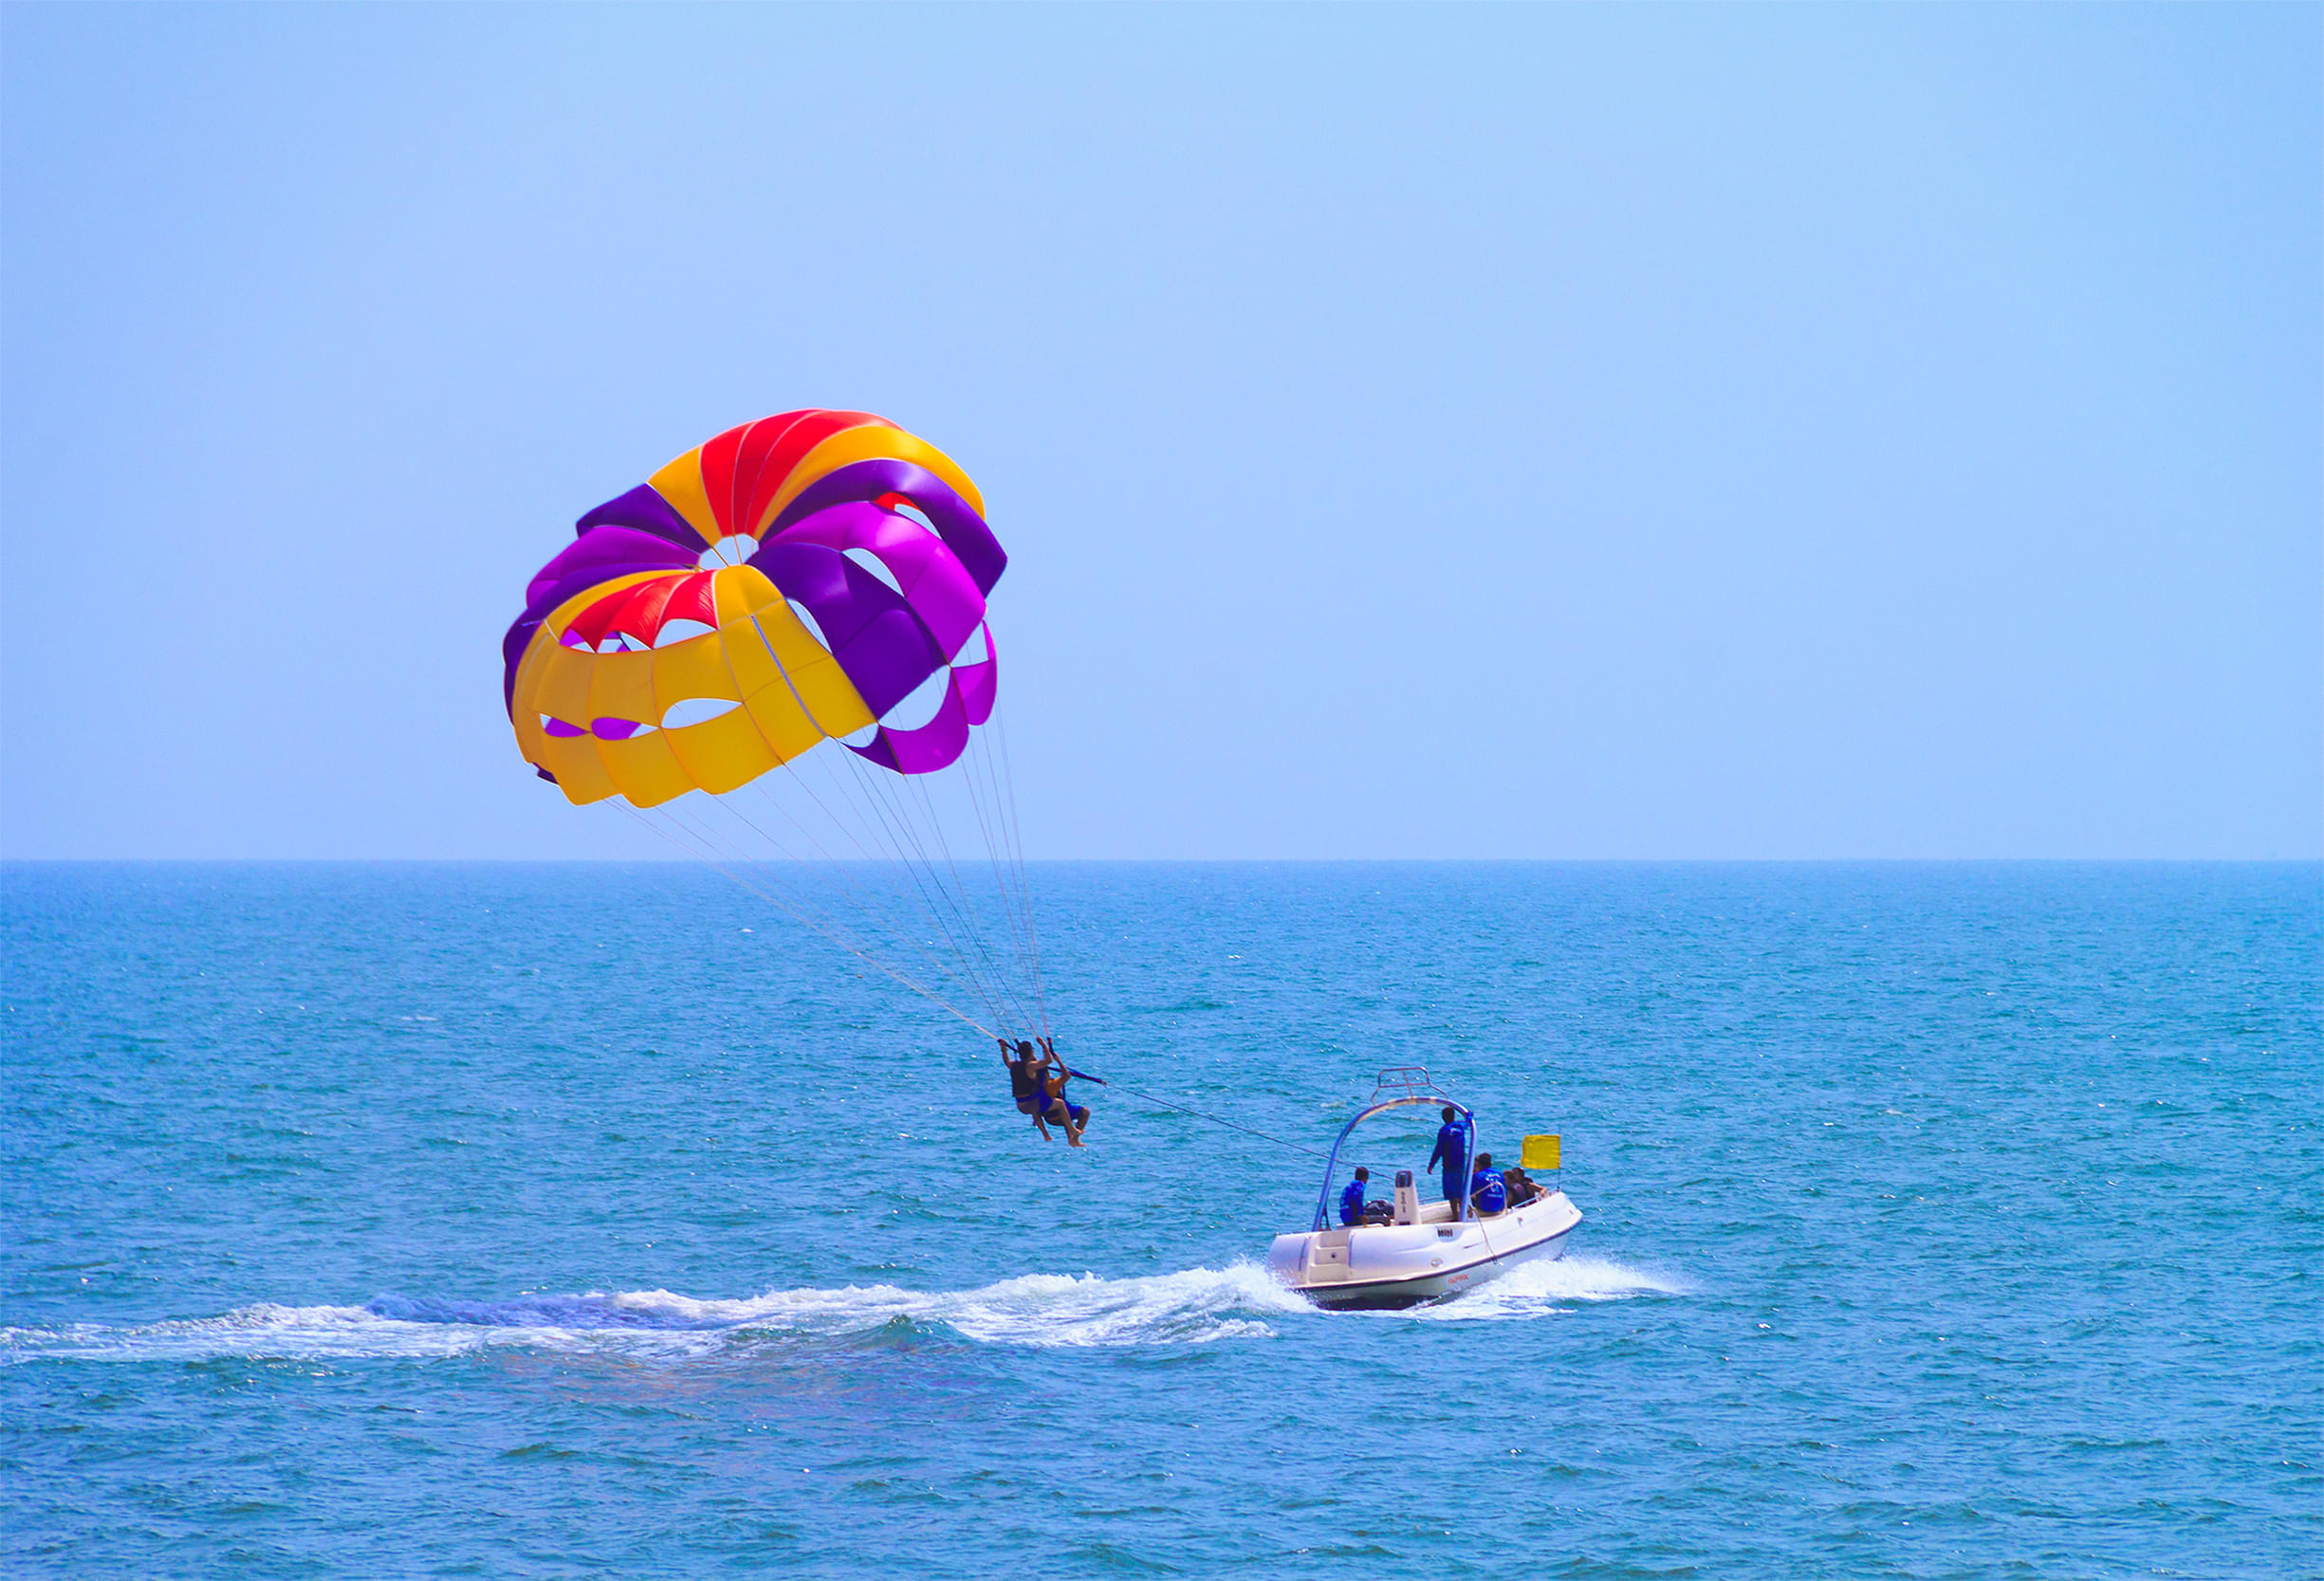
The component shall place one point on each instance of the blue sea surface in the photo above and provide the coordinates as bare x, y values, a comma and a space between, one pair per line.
515, 1221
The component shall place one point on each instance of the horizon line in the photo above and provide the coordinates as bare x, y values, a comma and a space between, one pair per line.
7, 861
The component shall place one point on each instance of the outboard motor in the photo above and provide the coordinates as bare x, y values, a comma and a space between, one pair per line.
1408, 1200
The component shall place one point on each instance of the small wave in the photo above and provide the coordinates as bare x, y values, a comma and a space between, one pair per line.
1194, 1307
1535, 1289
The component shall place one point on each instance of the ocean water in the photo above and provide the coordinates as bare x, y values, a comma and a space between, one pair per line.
514, 1221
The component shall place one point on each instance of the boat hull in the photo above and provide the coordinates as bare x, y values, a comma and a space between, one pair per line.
1391, 1266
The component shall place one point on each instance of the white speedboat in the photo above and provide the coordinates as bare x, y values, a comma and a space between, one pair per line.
1425, 1251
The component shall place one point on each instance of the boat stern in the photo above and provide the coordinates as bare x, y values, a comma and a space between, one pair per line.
1305, 1260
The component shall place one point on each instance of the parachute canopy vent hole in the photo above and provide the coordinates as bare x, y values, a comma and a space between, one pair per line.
814, 627
918, 706
908, 511
696, 711
680, 631
877, 568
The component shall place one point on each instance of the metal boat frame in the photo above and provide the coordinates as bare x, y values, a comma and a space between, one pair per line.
1414, 1088
1404, 1263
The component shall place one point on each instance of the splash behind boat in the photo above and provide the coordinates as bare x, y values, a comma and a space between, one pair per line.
1427, 1251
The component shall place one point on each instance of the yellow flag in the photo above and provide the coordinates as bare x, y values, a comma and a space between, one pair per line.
1540, 1152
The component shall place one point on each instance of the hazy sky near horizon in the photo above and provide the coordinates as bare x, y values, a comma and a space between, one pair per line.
1511, 432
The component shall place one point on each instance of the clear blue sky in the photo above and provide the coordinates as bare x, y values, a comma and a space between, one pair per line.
1559, 431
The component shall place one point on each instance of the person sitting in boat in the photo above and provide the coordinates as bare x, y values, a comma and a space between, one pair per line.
1352, 1208
1522, 1187
1024, 1083
1488, 1193
1452, 1151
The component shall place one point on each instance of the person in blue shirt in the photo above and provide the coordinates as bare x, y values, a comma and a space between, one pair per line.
1352, 1199
1487, 1192
1452, 1153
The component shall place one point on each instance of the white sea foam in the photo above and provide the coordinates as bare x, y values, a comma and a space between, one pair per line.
1195, 1306
1535, 1289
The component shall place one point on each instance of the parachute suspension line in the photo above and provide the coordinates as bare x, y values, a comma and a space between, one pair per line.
935, 821
780, 669
866, 899
1008, 914
881, 814
1021, 961
882, 803
870, 897
1006, 796
1215, 1119
945, 911
1018, 906
810, 921
999, 721
709, 847
977, 929
706, 850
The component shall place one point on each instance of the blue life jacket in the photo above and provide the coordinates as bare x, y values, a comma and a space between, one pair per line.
1489, 1191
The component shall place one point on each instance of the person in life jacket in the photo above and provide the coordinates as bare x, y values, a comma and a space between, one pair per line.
1452, 1153
1487, 1192
1351, 1197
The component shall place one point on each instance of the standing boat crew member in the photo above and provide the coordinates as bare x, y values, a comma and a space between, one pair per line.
1452, 1153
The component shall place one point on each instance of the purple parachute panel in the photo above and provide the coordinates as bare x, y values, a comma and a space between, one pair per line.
645, 511
598, 554
962, 530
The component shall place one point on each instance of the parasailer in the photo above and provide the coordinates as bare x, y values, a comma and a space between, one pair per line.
1037, 1086
795, 610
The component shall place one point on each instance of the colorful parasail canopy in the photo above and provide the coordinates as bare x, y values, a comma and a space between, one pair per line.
809, 575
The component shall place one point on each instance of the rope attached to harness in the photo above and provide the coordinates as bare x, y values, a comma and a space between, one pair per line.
1199, 1114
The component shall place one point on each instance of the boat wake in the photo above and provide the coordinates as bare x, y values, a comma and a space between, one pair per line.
1196, 1306
1539, 1289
